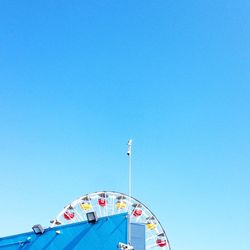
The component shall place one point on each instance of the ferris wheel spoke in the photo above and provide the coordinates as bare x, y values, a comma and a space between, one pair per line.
106, 208
78, 214
100, 212
152, 246
151, 237
113, 206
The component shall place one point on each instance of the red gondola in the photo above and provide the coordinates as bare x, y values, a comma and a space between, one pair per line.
102, 202
161, 242
68, 215
137, 212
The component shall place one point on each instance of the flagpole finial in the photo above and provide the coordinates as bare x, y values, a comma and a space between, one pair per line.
129, 147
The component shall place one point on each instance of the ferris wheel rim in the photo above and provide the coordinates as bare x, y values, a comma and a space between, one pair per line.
117, 194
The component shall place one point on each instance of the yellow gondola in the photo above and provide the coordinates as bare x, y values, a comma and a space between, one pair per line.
86, 206
151, 226
121, 204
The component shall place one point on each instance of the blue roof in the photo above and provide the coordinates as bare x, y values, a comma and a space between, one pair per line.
105, 235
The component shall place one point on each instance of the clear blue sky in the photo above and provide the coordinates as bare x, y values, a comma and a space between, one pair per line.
79, 78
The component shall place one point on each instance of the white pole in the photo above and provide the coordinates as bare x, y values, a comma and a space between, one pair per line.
129, 152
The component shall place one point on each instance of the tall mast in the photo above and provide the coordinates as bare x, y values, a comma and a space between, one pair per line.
129, 153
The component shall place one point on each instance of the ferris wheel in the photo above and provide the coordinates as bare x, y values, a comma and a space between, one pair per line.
108, 203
